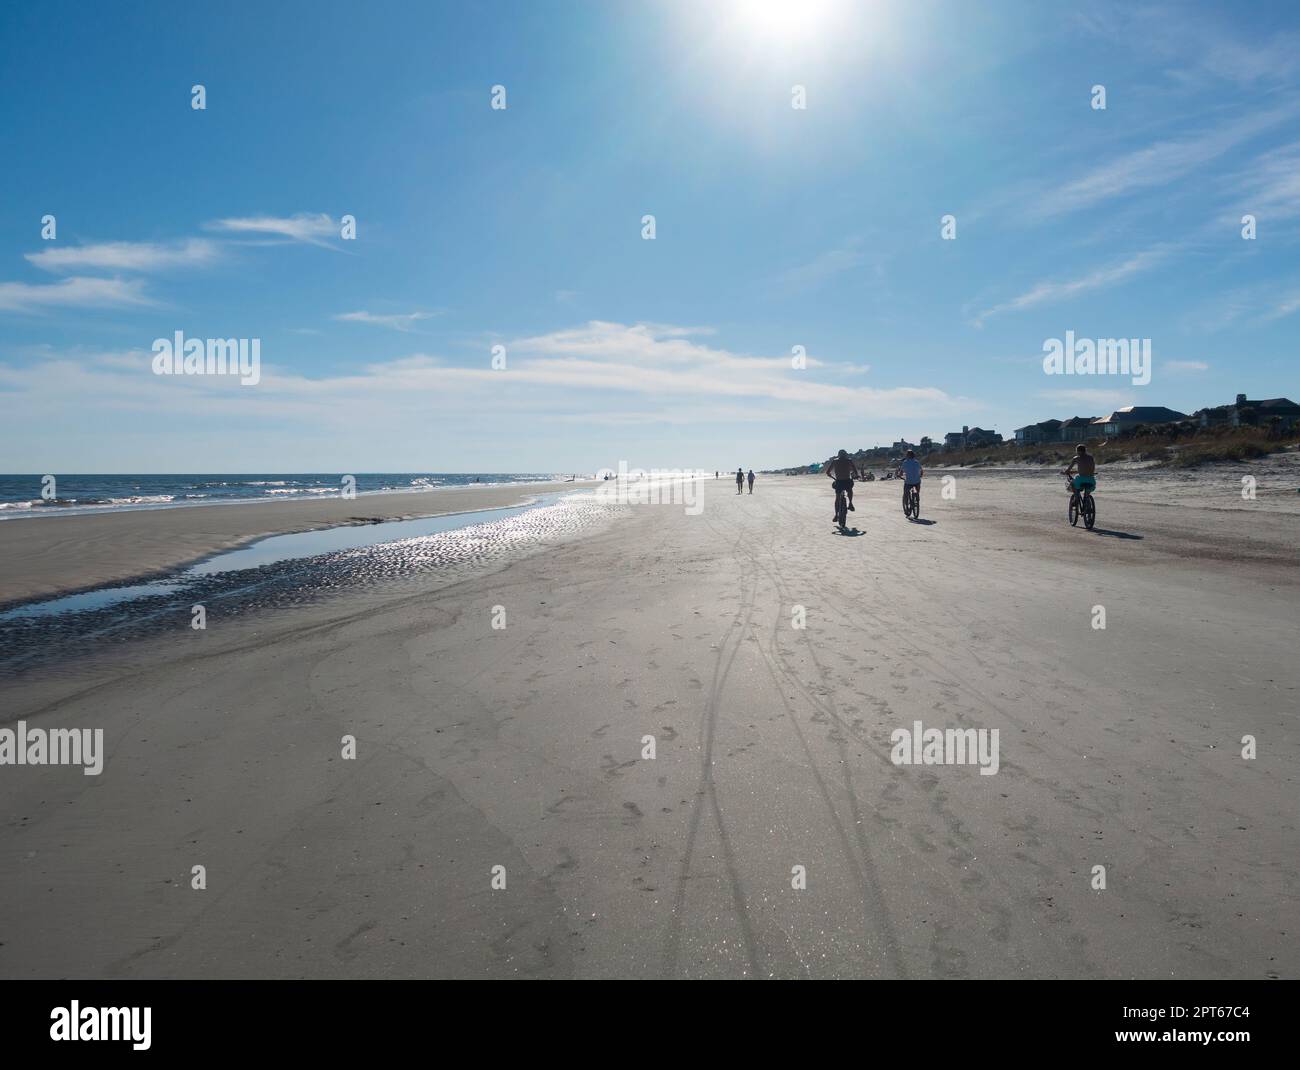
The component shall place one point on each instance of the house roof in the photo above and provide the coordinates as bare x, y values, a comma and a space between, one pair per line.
1141, 414
1271, 403
1079, 421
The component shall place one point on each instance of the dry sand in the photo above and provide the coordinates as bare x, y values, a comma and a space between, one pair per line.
47, 555
522, 748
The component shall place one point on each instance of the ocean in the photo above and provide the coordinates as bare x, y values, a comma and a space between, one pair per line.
26, 496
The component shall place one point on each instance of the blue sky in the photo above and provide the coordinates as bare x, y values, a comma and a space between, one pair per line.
775, 226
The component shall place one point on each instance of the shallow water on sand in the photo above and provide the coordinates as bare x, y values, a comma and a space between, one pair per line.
282, 571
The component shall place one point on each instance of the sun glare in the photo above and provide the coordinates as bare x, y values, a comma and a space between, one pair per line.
785, 20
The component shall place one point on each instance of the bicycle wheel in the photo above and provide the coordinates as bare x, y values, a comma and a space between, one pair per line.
1089, 511
1074, 509
916, 503
907, 503
841, 508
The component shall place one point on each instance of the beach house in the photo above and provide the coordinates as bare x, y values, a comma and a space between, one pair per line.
1077, 429
1032, 434
1122, 421
970, 436
1282, 413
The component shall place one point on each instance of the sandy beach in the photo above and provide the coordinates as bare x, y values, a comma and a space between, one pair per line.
524, 747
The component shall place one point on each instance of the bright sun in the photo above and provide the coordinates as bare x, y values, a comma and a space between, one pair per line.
784, 19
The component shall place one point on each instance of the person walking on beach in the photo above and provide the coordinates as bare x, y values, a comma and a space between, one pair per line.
740, 480
751, 481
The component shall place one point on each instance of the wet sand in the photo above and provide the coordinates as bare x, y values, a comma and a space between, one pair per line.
522, 747
47, 555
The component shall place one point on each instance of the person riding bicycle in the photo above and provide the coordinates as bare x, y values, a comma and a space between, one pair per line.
910, 470
1086, 479
841, 471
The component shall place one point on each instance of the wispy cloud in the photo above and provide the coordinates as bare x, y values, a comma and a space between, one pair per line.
635, 371
1158, 165
824, 266
74, 292
1270, 188
304, 227
398, 322
671, 363
126, 256
1285, 307
1047, 292
1192, 46
1094, 399
1180, 366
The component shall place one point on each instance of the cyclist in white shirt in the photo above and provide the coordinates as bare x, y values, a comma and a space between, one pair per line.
910, 470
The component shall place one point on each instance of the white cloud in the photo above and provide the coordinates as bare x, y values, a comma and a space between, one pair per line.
74, 292
398, 322
662, 375
1046, 292
126, 256
303, 227
1184, 365
666, 361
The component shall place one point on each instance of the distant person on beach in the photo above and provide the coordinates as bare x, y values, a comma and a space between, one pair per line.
1087, 465
841, 470
740, 480
751, 481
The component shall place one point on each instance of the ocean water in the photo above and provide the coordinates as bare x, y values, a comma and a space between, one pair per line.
24, 496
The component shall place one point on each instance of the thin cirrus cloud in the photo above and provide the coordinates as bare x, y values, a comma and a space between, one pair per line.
74, 292
1283, 308
1157, 165
1048, 292
1092, 398
126, 256
824, 267
396, 321
1270, 188
313, 229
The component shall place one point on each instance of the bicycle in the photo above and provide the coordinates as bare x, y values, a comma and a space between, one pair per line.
1081, 504
841, 508
912, 501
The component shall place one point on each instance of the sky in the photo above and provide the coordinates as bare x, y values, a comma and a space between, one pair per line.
521, 226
